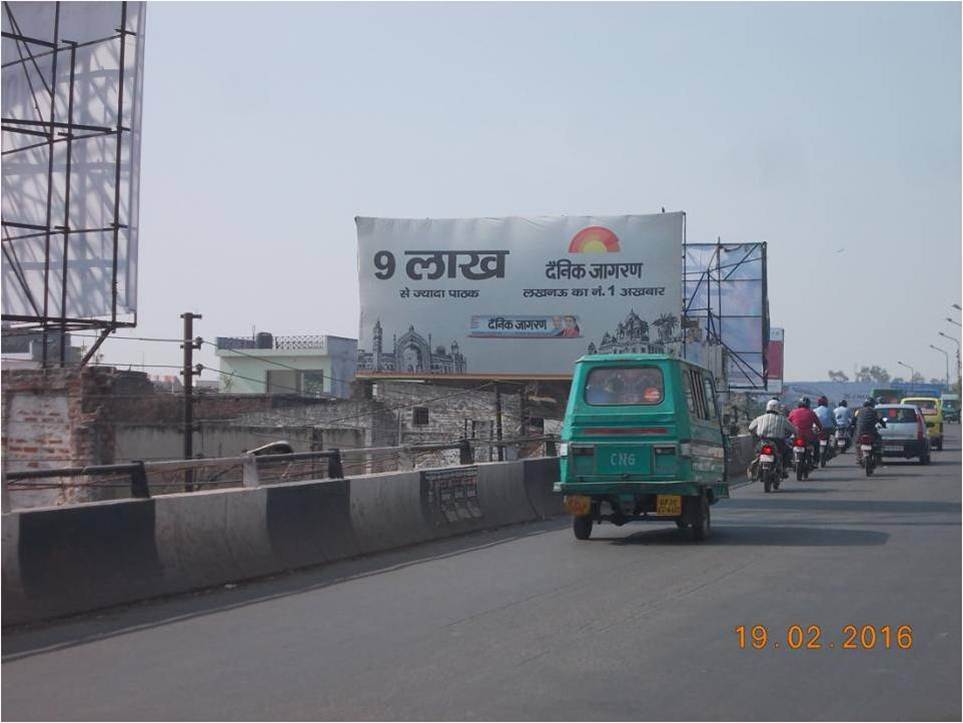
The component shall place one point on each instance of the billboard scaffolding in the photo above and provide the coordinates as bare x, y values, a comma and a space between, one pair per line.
72, 77
726, 303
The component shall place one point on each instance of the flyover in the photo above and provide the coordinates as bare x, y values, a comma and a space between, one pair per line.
526, 623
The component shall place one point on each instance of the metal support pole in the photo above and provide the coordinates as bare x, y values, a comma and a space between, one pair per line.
335, 470
249, 476
188, 372
498, 421
138, 481
464, 451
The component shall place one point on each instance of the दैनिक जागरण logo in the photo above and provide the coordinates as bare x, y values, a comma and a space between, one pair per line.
594, 240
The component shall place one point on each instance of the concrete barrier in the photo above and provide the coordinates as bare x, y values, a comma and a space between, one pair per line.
740, 455
501, 494
540, 476
67, 560
310, 522
388, 511
71, 559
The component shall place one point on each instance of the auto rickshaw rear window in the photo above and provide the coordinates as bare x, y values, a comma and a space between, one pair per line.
624, 386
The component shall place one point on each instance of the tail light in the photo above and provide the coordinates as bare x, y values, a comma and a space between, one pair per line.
767, 449
920, 429
865, 439
799, 442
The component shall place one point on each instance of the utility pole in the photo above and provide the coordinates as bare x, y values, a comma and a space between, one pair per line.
959, 373
498, 421
189, 372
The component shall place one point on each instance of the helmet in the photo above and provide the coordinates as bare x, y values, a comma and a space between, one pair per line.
844, 403
804, 402
772, 405
822, 402
870, 402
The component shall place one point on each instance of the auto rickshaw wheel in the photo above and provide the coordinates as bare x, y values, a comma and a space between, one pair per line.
939, 444
582, 527
701, 522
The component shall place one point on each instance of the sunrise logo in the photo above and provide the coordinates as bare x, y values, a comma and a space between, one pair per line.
594, 240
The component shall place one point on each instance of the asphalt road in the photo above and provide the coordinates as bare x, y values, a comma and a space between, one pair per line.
527, 623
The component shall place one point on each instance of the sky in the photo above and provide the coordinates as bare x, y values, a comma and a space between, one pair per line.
830, 131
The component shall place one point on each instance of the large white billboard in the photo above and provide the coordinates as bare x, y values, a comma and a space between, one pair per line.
519, 296
72, 96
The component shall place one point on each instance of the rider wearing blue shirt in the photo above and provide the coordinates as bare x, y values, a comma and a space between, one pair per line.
825, 414
844, 415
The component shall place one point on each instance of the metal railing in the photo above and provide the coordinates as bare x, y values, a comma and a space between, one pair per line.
255, 468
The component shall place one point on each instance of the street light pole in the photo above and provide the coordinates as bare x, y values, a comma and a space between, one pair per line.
957, 342
947, 355
912, 370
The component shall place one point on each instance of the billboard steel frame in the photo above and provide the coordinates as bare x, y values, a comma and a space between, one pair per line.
712, 277
54, 131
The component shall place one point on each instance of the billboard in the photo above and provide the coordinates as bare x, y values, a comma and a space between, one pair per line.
774, 360
72, 87
727, 301
523, 296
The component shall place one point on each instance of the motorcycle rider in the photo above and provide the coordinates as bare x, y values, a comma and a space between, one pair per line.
866, 420
804, 419
773, 426
844, 420
826, 416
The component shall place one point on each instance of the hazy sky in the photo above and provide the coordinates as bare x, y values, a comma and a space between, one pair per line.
831, 131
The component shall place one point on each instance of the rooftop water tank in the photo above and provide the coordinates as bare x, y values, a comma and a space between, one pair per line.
264, 340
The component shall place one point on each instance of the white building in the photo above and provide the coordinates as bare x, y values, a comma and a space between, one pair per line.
313, 365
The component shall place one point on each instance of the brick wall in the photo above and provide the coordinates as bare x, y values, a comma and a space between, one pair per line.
70, 417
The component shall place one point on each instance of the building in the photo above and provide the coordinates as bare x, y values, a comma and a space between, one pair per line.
23, 348
632, 336
316, 365
411, 353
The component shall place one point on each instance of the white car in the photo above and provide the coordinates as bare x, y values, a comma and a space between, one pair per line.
905, 432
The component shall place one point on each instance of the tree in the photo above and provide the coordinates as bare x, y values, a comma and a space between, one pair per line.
873, 374
839, 376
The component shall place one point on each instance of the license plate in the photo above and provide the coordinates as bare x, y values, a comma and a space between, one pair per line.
766, 458
822, 442
668, 505
577, 505
896, 445
866, 447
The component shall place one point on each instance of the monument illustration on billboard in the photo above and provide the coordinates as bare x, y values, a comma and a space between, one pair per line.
523, 296
72, 97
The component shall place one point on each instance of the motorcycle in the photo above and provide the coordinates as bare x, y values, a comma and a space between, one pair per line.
801, 458
842, 440
869, 454
770, 466
826, 451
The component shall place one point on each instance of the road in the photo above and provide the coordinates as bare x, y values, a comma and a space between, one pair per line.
527, 623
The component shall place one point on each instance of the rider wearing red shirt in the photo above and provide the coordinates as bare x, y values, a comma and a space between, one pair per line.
804, 419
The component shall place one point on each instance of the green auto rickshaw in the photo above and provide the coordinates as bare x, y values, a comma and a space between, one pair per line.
642, 440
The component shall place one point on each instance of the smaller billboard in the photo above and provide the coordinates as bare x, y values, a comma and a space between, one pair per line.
774, 360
